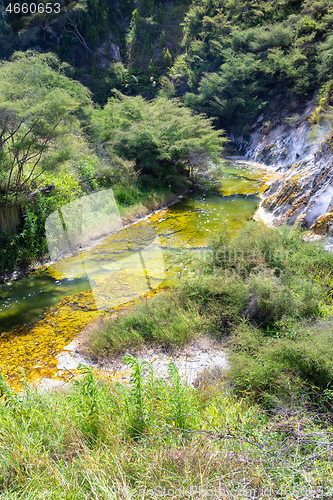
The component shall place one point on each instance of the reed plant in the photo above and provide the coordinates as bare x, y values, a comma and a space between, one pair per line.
156, 439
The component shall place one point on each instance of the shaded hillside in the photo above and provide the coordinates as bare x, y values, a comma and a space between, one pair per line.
107, 41
240, 57
230, 59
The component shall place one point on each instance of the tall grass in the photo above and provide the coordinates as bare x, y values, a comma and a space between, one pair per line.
155, 439
262, 430
162, 320
264, 276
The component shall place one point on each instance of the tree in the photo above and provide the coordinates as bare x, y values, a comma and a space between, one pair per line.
39, 107
163, 137
242, 56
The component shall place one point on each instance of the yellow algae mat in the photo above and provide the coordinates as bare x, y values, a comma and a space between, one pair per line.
34, 348
187, 224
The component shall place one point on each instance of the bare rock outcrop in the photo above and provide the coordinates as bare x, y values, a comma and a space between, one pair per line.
303, 194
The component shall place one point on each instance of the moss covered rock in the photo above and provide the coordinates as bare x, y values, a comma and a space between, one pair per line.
324, 224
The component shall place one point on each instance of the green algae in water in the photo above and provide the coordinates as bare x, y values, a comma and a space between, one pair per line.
193, 221
237, 178
26, 300
189, 224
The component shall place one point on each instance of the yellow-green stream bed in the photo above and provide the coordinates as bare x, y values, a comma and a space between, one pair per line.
42, 313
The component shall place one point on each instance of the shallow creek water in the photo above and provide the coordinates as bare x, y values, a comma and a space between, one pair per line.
41, 314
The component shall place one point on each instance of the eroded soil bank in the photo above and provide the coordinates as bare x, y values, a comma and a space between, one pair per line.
191, 360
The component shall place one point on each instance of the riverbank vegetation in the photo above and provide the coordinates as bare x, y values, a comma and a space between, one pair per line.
266, 293
158, 439
132, 96
57, 146
269, 279
263, 427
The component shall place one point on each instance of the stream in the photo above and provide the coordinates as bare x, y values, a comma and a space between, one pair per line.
42, 313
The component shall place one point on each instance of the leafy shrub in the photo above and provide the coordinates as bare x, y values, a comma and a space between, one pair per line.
269, 300
30, 244
159, 136
162, 320
283, 368
126, 194
9, 251
219, 301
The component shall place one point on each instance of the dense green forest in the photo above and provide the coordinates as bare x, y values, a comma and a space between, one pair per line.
140, 96
229, 58
109, 68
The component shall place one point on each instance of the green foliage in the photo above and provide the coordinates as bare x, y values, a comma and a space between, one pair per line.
325, 58
226, 94
167, 88
6, 392
49, 450
219, 300
167, 58
114, 75
285, 275
153, 321
162, 137
38, 106
86, 23
136, 404
127, 195
86, 403
154, 37
233, 58
237, 54
295, 364
29, 244
9, 251
179, 399
33, 233
324, 103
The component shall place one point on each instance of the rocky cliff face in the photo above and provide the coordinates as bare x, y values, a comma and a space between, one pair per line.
304, 193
